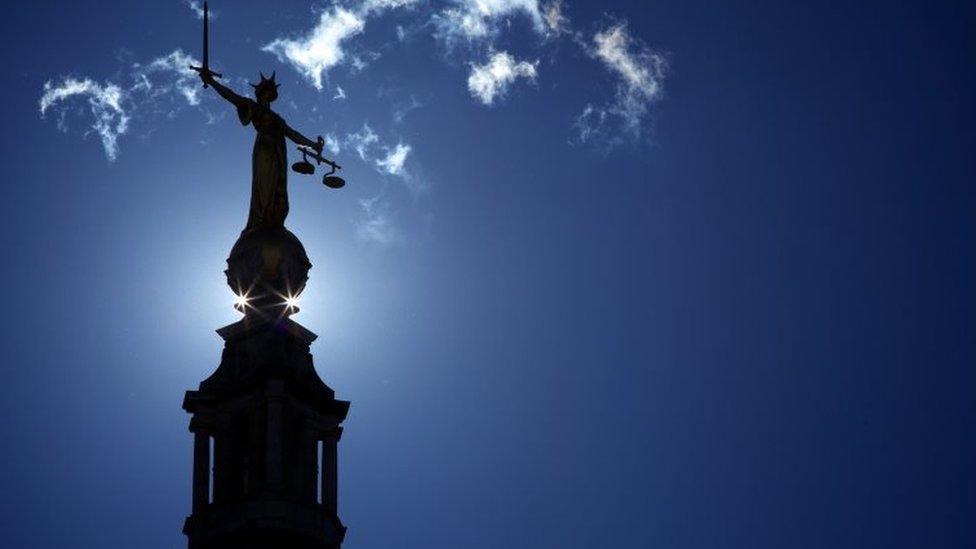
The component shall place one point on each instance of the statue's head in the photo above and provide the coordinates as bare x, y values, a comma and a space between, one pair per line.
266, 89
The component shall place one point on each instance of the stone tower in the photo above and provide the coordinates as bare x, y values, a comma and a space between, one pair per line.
265, 426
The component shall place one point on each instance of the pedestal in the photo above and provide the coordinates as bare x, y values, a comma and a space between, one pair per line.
272, 426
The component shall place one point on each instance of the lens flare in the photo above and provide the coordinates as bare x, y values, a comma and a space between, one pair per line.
240, 301
291, 302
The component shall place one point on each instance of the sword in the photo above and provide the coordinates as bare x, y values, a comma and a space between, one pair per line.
206, 47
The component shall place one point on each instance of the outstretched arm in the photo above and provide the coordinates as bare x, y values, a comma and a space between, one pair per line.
223, 90
300, 139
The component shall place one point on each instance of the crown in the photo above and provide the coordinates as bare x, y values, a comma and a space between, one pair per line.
265, 82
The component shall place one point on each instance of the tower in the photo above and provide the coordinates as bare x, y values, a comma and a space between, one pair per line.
265, 426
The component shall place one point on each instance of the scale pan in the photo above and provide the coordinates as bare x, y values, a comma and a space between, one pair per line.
333, 182
303, 167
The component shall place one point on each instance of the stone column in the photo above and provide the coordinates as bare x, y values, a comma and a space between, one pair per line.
274, 466
309, 462
330, 470
201, 470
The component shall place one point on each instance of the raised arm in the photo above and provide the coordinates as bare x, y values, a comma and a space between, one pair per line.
224, 91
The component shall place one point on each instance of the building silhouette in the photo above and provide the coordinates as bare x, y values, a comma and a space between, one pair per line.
265, 426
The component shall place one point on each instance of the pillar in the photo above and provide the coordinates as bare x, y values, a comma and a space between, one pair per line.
201, 470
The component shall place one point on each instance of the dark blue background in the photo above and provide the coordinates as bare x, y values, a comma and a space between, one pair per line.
753, 330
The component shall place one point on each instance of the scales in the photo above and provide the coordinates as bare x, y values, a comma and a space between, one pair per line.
307, 168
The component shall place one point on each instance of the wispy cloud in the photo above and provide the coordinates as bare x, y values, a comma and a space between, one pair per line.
197, 9
332, 143
640, 68
493, 72
376, 223
555, 17
319, 50
491, 80
372, 6
362, 140
588, 122
640, 74
637, 72
386, 158
393, 162
109, 118
475, 20
165, 83
167, 74
401, 110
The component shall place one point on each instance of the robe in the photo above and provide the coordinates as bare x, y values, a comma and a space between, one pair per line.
269, 167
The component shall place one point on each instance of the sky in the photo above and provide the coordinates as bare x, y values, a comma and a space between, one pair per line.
673, 274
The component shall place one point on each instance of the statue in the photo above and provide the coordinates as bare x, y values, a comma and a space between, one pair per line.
267, 267
269, 161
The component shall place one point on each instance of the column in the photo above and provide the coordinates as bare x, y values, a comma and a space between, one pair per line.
201, 470
330, 470
309, 462
274, 466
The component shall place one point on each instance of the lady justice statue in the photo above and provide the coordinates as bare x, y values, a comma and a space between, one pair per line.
267, 267
269, 162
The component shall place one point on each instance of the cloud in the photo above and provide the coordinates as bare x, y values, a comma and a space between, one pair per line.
384, 158
196, 8
491, 80
372, 6
165, 83
332, 143
362, 140
641, 71
376, 224
589, 121
392, 163
173, 74
555, 17
321, 49
637, 71
474, 20
109, 118
318, 51
640, 75
401, 110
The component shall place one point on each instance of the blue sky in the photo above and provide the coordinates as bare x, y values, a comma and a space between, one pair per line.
650, 274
